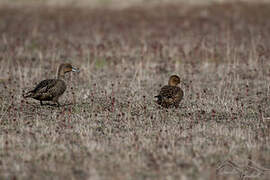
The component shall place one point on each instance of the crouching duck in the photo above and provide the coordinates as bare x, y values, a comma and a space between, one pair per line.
51, 89
170, 95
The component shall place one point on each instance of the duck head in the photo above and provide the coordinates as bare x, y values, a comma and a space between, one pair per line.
174, 80
65, 68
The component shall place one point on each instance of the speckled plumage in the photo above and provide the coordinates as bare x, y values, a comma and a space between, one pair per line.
170, 95
51, 89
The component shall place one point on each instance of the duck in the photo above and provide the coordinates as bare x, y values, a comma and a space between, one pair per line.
170, 95
51, 89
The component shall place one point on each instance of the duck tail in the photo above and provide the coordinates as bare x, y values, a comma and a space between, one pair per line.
159, 99
28, 94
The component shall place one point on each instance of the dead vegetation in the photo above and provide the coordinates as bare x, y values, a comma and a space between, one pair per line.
109, 127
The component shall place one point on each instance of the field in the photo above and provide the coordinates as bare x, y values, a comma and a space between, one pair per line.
109, 126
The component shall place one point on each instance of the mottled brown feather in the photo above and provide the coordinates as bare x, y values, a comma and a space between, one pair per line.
170, 95
51, 89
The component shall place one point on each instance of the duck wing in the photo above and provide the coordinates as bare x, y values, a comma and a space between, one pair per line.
44, 86
170, 95
48, 89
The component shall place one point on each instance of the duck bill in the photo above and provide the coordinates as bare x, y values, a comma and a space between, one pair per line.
75, 69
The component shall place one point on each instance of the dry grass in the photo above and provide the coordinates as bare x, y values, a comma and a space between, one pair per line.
109, 126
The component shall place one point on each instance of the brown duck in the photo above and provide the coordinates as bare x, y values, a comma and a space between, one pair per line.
51, 89
170, 95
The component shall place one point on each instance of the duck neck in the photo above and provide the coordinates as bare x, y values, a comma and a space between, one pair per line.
172, 83
60, 73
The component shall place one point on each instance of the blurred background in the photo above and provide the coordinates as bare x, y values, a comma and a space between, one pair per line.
116, 3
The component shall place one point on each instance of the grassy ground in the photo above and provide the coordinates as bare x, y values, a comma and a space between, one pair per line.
109, 126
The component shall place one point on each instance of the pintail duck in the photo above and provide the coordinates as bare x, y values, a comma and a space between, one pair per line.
51, 89
170, 95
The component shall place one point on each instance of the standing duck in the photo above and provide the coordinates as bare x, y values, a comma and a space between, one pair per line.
51, 89
170, 95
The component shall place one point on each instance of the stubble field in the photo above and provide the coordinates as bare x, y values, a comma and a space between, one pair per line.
109, 126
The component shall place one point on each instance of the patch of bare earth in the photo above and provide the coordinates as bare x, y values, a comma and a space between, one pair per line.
109, 126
